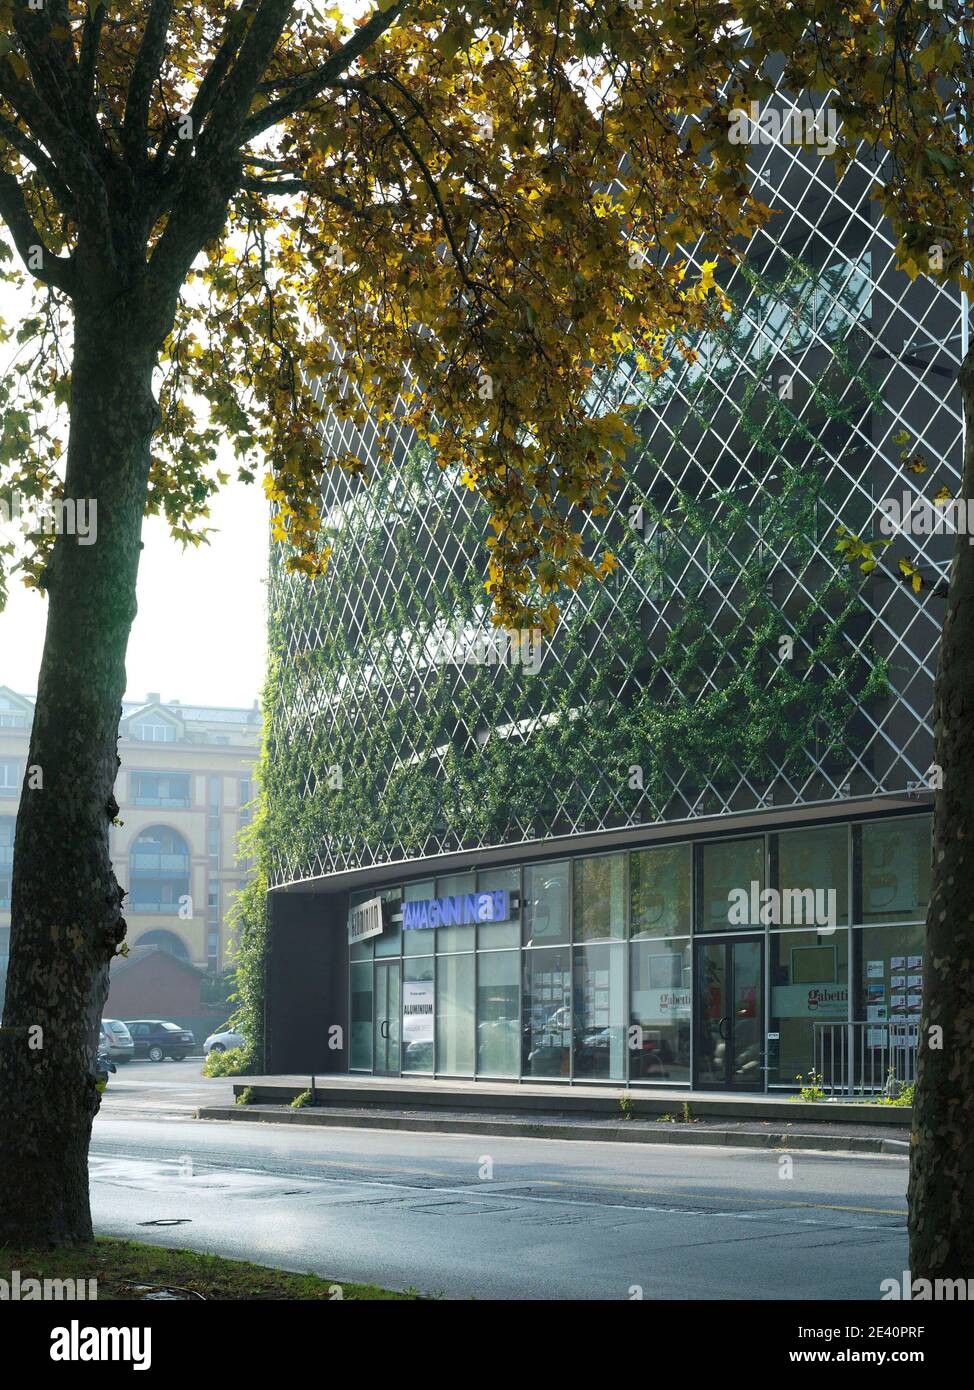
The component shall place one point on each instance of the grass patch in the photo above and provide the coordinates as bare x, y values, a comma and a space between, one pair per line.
119, 1265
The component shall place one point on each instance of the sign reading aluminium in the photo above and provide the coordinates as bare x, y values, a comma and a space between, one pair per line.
460, 910
365, 920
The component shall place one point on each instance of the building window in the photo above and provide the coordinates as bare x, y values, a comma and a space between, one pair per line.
660, 982
546, 911
170, 789
813, 876
165, 941
498, 1013
600, 885
547, 1003
731, 882
660, 891
455, 1015
809, 978
159, 871
599, 1013
10, 777
360, 1016
154, 731
418, 1014
894, 869
7, 828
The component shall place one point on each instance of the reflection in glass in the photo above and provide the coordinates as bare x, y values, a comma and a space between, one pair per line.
660, 891
728, 869
546, 1002
659, 982
498, 1013
813, 876
809, 976
360, 1016
600, 897
600, 1034
455, 1015
895, 858
546, 906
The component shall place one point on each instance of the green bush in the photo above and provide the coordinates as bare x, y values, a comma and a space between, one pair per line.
233, 1062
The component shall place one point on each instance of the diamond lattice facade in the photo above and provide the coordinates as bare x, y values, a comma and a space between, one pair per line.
733, 677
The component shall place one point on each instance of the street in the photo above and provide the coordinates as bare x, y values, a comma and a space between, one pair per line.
486, 1217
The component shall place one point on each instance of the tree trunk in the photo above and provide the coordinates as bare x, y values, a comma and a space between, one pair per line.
66, 906
941, 1191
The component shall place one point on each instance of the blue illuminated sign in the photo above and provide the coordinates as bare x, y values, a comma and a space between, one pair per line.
457, 911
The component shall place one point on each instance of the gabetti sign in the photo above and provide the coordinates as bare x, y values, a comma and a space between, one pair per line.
458, 911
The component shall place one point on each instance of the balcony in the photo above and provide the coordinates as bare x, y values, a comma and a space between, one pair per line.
168, 802
159, 863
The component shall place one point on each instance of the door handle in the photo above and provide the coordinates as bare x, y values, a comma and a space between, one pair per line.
384, 1028
720, 1028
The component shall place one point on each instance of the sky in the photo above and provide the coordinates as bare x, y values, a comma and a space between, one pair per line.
199, 635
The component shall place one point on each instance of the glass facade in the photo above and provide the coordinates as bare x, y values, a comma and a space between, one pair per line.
711, 964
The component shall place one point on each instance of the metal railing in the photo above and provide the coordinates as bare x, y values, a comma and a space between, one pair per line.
865, 1058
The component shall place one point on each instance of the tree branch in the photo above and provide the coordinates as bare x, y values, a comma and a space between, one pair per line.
312, 86
53, 270
148, 63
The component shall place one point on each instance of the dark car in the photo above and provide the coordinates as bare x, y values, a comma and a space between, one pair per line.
156, 1039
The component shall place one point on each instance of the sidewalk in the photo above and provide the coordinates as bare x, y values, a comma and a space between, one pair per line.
657, 1115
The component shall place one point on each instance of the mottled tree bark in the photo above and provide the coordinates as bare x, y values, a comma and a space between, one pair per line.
66, 908
942, 1154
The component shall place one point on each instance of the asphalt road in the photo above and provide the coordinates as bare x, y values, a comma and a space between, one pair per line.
486, 1217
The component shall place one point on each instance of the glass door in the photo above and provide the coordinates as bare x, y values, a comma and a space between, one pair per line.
729, 1053
387, 1018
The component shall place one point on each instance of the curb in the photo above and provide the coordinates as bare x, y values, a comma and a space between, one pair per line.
524, 1129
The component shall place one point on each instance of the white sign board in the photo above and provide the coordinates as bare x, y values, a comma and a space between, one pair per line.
365, 921
417, 1011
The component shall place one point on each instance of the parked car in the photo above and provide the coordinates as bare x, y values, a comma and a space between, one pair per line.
155, 1038
223, 1040
117, 1039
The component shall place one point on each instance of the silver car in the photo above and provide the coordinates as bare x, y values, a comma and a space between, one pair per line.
117, 1039
223, 1041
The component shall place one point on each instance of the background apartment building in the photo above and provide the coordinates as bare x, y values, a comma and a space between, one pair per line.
184, 791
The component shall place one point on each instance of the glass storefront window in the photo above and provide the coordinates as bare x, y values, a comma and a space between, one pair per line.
546, 912
493, 934
360, 1016
888, 972
809, 978
390, 942
418, 943
600, 1013
813, 877
498, 1013
731, 882
547, 1005
894, 866
660, 891
660, 1011
456, 938
455, 1015
600, 885
417, 1014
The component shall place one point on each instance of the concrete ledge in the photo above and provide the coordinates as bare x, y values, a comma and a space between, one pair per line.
348, 1092
624, 1133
